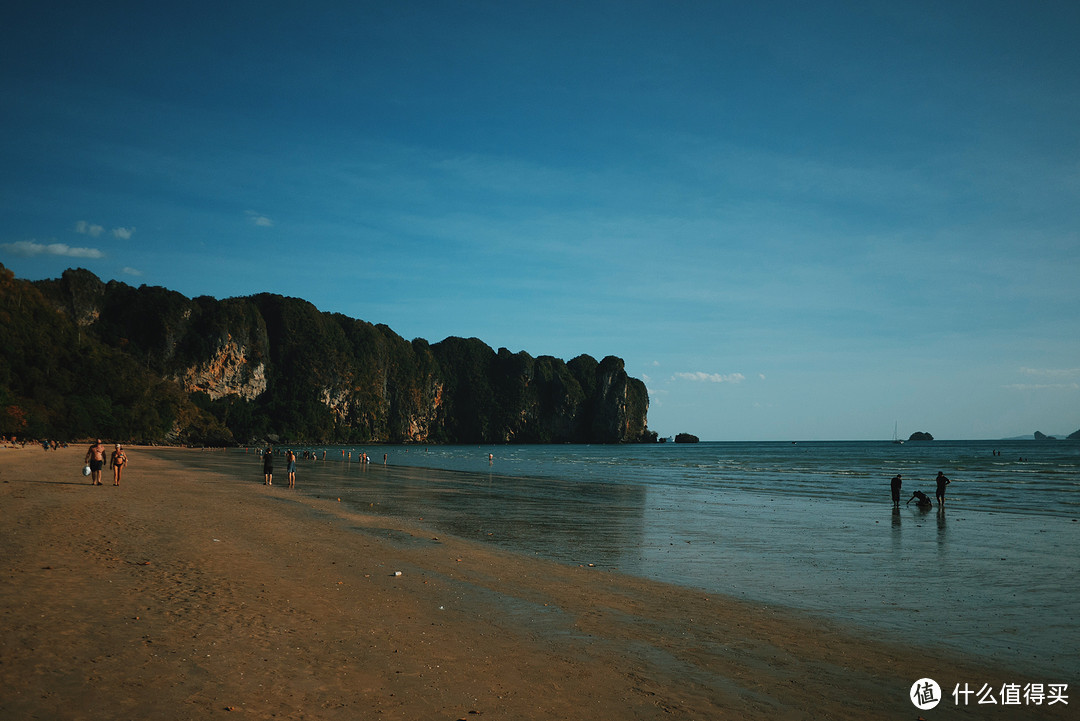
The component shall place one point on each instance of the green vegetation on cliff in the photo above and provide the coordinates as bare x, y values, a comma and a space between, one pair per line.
84, 358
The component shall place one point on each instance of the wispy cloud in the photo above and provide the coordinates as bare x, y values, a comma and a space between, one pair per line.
131, 271
1048, 379
1052, 372
260, 220
1043, 386
85, 228
700, 377
30, 248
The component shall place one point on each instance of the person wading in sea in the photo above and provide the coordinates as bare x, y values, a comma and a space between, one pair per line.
942, 481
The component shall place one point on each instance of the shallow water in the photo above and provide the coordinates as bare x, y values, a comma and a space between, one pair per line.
808, 526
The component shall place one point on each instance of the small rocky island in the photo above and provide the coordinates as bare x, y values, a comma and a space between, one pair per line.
686, 438
920, 436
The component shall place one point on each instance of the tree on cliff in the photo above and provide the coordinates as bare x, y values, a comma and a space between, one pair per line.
161, 366
58, 380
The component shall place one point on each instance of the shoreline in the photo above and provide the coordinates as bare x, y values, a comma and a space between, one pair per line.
185, 594
892, 575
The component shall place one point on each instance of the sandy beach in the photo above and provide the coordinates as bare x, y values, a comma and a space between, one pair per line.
181, 595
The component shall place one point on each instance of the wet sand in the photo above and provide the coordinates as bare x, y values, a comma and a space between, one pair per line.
182, 595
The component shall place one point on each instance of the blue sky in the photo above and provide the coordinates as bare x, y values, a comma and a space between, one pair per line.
792, 220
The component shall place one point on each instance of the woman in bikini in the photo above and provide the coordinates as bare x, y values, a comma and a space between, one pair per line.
117, 461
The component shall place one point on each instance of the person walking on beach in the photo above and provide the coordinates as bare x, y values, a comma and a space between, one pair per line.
95, 458
268, 466
896, 484
942, 481
290, 464
117, 461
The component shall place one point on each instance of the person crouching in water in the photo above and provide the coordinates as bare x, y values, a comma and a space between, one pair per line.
924, 500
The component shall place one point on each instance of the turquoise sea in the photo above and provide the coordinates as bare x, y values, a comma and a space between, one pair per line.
807, 525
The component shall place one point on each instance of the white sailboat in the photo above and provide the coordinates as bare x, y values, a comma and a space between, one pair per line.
895, 438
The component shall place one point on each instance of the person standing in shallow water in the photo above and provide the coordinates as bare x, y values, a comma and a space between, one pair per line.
290, 464
942, 481
896, 484
268, 466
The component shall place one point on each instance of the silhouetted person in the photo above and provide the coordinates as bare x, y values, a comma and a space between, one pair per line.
896, 483
942, 481
268, 467
924, 500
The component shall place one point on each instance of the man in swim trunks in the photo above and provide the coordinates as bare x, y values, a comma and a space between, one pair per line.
942, 481
95, 457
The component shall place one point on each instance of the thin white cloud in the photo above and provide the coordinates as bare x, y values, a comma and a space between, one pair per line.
85, 228
123, 233
1043, 386
700, 377
30, 248
1051, 372
260, 220
131, 271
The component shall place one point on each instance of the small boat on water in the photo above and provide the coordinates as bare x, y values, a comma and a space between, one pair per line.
895, 438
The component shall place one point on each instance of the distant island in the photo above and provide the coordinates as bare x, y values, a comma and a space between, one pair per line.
686, 438
920, 436
82, 358
1040, 436
1074, 436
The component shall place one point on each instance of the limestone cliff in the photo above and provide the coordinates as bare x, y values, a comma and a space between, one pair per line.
226, 373
269, 365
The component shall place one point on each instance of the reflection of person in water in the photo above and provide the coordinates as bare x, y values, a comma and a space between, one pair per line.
924, 500
896, 483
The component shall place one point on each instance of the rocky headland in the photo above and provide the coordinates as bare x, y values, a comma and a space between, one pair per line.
90, 358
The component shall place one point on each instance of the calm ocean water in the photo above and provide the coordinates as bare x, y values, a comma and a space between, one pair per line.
808, 526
